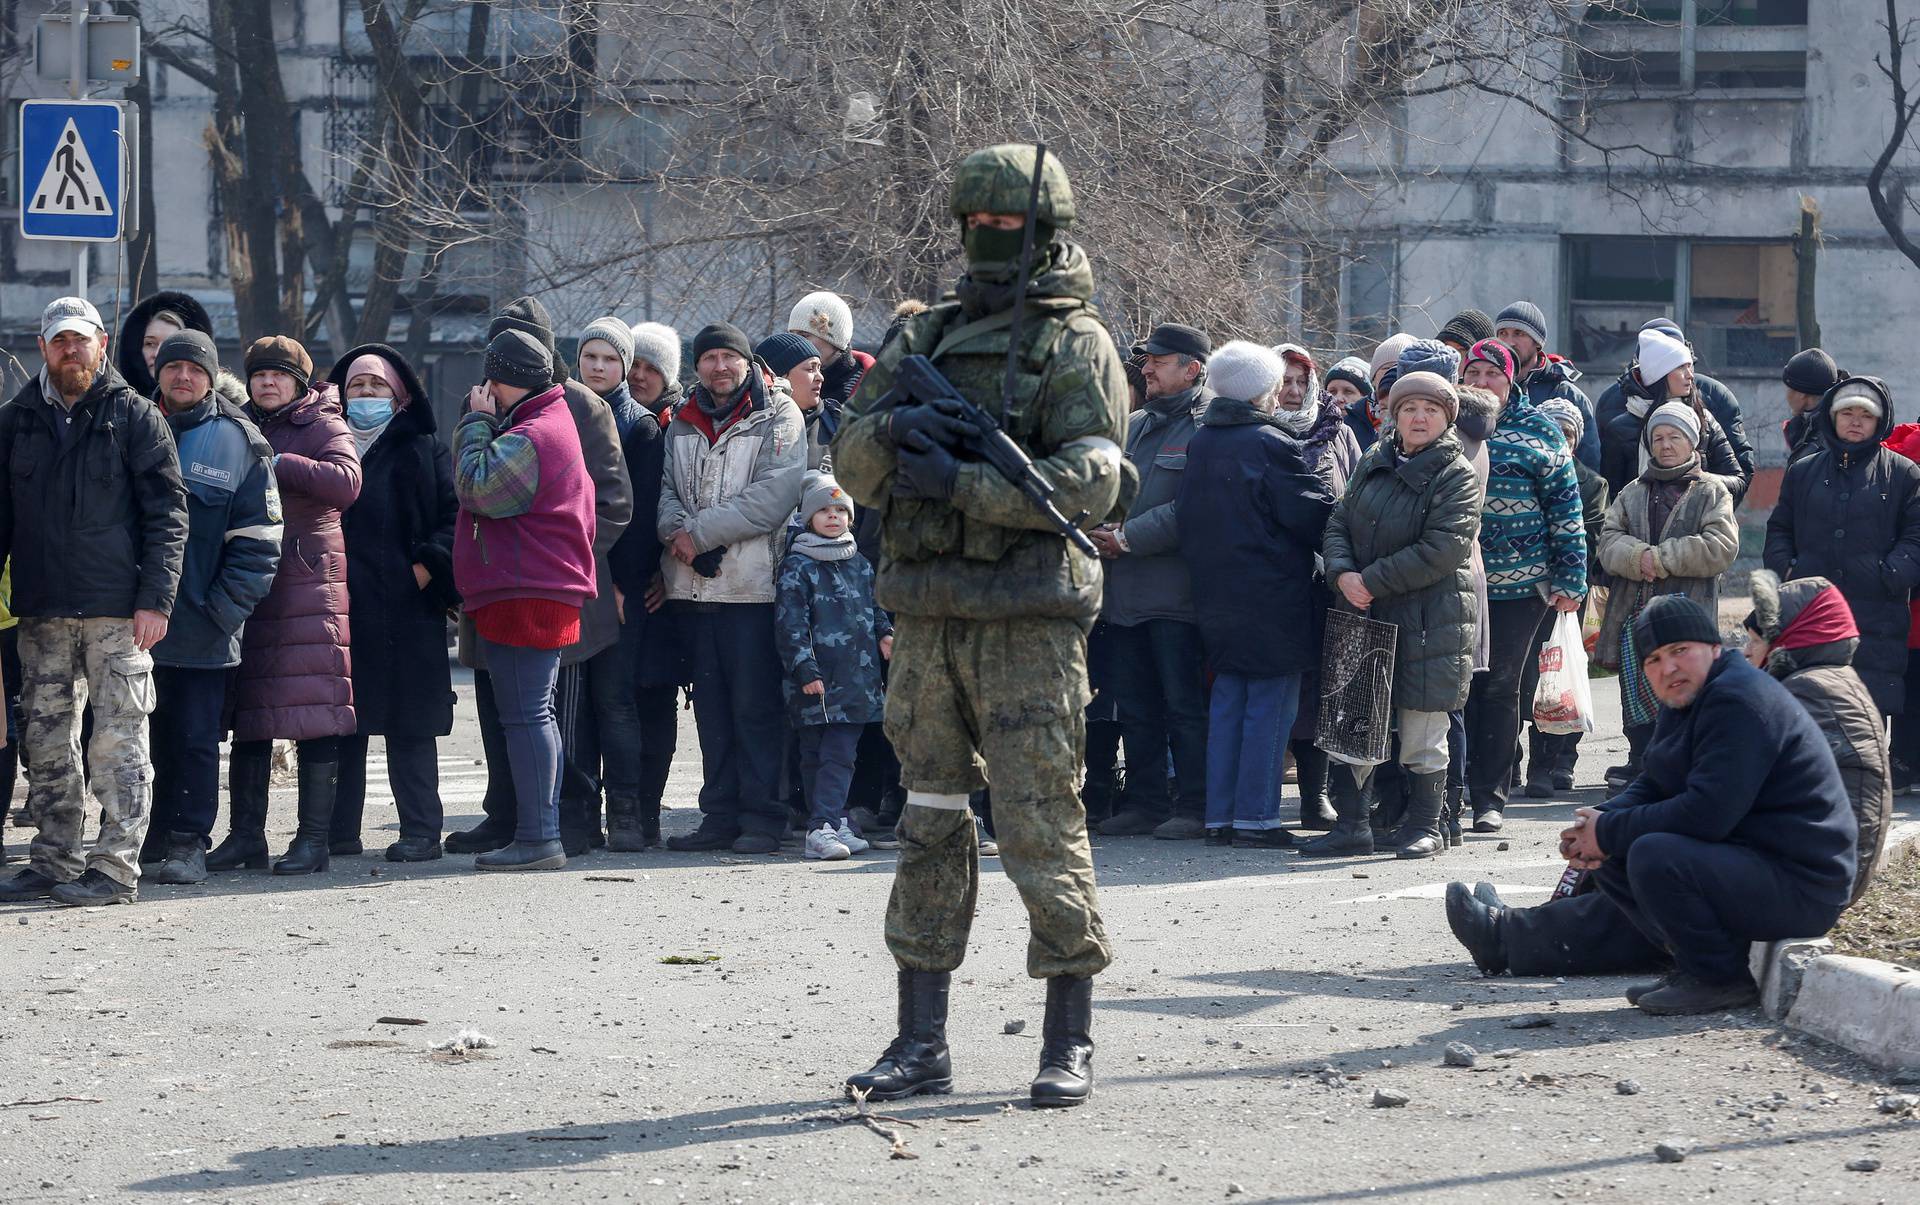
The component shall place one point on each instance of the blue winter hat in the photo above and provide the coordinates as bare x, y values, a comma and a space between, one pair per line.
786, 351
1429, 355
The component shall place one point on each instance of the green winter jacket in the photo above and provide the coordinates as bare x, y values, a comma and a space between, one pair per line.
988, 554
1407, 527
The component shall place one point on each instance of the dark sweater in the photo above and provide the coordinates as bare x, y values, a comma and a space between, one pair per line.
1743, 764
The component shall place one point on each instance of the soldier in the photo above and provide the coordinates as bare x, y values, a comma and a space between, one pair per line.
992, 607
94, 515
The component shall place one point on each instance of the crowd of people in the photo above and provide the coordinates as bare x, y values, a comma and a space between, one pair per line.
278, 555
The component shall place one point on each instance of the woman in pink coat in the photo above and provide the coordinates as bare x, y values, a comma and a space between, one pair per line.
295, 680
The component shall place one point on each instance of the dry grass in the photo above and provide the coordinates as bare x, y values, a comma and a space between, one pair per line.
1885, 924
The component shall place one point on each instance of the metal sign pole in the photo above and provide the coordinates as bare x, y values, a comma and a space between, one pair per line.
76, 87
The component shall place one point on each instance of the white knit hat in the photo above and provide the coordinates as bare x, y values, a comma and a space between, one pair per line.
824, 315
1660, 354
659, 345
1857, 395
1679, 415
1245, 372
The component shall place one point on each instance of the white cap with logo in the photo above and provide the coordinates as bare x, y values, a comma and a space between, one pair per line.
70, 314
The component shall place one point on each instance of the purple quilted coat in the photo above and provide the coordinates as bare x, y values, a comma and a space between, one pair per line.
296, 678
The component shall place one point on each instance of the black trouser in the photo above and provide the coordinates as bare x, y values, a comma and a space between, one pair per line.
500, 803
413, 773
738, 710
603, 743
658, 711
1457, 751
1160, 683
184, 746
1558, 752
1493, 705
1707, 901
1585, 934
1906, 725
10, 756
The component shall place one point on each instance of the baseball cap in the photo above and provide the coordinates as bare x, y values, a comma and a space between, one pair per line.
70, 314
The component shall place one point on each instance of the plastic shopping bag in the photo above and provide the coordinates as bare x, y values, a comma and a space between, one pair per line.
1563, 702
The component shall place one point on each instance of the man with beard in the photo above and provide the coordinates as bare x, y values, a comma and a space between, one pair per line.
94, 516
992, 607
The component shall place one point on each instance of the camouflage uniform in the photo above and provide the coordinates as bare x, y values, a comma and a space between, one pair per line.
67, 663
989, 675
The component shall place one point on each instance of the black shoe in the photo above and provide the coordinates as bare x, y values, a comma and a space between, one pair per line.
1563, 780
345, 847
1450, 821
25, 886
1488, 820
624, 834
524, 855
1477, 926
1488, 894
1221, 835
185, 861
916, 1061
1682, 995
481, 838
1539, 788
650, 822
1263, 838
755, 843
312, 841
1131, 823
414, 849
92, 890
1066, 1044
1639, 990
704, 839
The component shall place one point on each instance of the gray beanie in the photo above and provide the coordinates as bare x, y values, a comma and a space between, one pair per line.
615, 332
818, 492
659, 345
191, 346
1525, 317
1245, 372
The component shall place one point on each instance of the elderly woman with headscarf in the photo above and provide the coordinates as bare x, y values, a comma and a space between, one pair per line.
400, 563
1671, 531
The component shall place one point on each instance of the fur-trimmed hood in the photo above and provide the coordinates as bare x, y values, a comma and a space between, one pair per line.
1776, 605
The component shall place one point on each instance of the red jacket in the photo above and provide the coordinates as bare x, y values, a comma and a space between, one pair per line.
1906, 441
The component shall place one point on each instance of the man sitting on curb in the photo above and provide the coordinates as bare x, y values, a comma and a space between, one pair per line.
1803, 634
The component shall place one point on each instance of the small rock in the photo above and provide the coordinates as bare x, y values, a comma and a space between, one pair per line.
1503, 847
1627, 1087
1672, 1152
1235, 1188
1901, 1103
1014, 1026
1866, 1164
1360, 875
1902, 1078
1459, 1054
1387, 1098
1530, 1021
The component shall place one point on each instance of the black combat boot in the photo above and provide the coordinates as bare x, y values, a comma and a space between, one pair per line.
578, 820
1316, 808
916, 1061
183, 861
1352, 834
624, 834
1420, 835
311, 841
245, 846
1066, 1044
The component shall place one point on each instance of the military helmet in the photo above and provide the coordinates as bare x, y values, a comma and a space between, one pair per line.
999, 179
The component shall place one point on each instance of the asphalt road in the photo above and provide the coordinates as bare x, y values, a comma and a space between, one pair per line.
226, 1042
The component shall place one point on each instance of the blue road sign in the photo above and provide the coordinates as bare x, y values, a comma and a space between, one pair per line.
71, 183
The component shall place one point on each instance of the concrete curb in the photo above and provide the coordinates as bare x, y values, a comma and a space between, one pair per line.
1870, 1007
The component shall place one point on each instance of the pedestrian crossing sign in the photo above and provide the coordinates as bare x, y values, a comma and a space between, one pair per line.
72, 185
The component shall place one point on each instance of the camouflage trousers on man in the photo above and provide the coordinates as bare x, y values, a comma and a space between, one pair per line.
973, 703
64, 665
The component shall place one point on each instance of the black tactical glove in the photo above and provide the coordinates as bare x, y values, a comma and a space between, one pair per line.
707, 564
939, 422
924, 469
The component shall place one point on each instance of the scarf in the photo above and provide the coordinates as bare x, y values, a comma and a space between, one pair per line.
362, 440
1690, 467
1297, 422
813, 545
1823, 620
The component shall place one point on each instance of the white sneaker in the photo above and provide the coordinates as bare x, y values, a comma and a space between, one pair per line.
823, 844
853, 841
989, 848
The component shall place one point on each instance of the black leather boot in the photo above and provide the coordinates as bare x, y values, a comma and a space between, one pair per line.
650, 822
1316, 808
1352, 832
1066, 1044
624, 835
311, 841
245, 846
916, 1061
1542, 753
1456, 803
1420, 835
576, 834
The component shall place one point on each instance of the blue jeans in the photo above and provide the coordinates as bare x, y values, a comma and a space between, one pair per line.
523, 691
826, 770
1247, 730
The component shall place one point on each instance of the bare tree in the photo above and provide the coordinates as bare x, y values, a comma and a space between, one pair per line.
1891, 201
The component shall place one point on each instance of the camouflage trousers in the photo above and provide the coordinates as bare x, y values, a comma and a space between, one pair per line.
973, 703
65, 664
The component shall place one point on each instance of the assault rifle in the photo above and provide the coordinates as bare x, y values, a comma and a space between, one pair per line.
917, 381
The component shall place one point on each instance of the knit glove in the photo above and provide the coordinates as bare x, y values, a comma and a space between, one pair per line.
707, 564
924, 469
938, 422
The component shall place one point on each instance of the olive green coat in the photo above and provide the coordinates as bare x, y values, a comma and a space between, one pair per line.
988, 554
1408, 527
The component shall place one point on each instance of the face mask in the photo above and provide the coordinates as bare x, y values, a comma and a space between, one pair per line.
366, 413
995, 254
1475, 426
